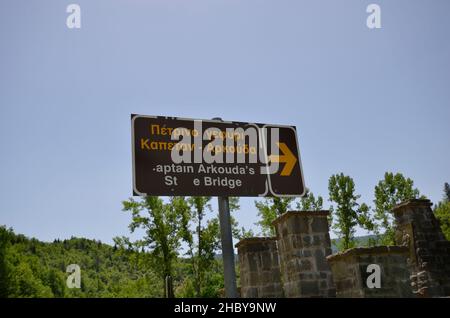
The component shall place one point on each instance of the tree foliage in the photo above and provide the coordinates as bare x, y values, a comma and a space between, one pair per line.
269, 209
203, 242
442, 212
309, 202
390, 191
348, 212
5, 237
447, 192
163, 226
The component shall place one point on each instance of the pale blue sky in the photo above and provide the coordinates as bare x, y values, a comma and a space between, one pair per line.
364, 101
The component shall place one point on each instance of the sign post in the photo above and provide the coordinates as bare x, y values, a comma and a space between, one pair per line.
188, 157
229, 272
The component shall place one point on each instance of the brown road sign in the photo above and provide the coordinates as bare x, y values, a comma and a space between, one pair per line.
189, 157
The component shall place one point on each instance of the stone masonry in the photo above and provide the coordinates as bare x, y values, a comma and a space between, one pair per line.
429, 251
350, 272
303, 245
259, 268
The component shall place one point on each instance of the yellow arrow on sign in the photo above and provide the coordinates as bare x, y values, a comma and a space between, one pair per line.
288, 157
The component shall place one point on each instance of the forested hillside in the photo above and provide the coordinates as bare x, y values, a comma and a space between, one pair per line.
31, 268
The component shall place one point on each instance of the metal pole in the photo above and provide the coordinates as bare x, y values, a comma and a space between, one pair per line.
229, 272
168, 287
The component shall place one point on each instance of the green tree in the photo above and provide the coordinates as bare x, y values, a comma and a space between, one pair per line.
55, 280
244, 233
237, 232
163, 230
447, 191
202, 241
269, 209
442, 212
5, 236
309, 202
233, 203
390, 191
348, 212
26, 284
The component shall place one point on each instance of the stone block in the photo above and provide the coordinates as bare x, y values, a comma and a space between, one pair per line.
307, 240
309, 288
320, 225
304, 265
321, 261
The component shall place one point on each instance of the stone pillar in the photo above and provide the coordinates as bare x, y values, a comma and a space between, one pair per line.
350, 272
259, 268
303, 244
429, 251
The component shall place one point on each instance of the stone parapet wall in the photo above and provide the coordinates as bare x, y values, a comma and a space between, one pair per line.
350, 272
429, 251
259, 268
298, 262
303, 245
